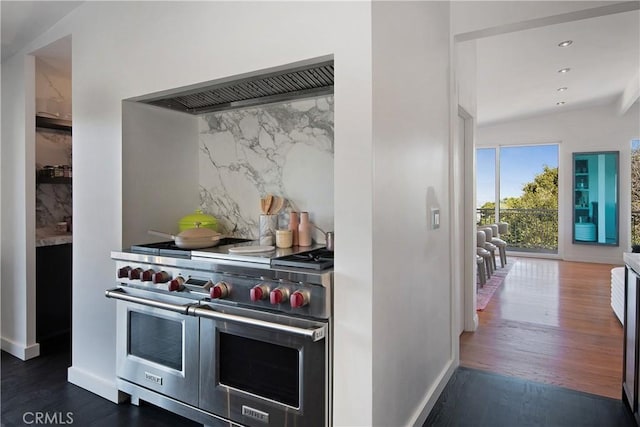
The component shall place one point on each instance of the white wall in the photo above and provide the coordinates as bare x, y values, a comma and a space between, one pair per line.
592, 129
18, 207
412, 335
122, 50
159, 170
465, 76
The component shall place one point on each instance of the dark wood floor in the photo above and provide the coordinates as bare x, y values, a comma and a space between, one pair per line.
471, 398
40, 385
551, 321
481, 399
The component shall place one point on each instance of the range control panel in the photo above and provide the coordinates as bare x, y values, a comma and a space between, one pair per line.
235, 289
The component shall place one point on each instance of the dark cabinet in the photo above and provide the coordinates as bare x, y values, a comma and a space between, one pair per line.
630, 346
53, 297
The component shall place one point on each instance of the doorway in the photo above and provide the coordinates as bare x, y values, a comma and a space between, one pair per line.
533, 274
53, 196
463, 241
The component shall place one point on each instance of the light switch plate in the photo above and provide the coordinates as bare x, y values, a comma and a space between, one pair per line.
435, 218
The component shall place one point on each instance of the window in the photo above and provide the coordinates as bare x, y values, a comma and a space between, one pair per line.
523, 193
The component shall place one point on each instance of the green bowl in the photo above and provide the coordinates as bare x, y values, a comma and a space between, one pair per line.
198, 217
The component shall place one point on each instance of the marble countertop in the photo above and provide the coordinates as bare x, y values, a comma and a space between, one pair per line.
48, 236
632, 260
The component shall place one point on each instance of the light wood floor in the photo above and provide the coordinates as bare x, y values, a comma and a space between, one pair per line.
552, 322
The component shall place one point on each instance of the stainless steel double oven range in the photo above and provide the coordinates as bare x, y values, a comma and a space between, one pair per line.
226, 339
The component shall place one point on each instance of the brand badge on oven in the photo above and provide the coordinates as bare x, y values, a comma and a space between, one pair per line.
255, 414
153, 378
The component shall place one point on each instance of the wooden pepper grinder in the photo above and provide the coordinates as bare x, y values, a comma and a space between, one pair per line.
304, 230
293, 226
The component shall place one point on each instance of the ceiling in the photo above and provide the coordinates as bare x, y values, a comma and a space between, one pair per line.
516, 72
23, 21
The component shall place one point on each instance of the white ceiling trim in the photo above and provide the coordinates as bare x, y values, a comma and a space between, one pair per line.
630, 95
549, 20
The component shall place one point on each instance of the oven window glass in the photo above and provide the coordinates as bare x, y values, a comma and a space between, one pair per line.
261, 368
156, 339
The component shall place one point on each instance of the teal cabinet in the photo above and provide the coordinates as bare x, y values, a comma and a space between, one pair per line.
595, 198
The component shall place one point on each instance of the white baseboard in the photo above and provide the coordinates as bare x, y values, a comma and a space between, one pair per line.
543, 255
20, 351
105, 388
596, 260
432, 395
588, 259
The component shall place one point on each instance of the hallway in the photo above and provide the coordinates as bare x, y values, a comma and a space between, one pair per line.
551, 322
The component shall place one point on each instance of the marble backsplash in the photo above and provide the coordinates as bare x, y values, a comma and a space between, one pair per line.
53, 201
53, 147
283, 149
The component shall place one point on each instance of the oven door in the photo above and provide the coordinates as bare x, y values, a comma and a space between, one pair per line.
262, 369
157, 344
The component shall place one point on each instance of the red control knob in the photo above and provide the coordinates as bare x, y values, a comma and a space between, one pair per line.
278, 295
219, 291
176, 284
259, 292
135, 273
299, 299
160, 277
147, 275
124, 272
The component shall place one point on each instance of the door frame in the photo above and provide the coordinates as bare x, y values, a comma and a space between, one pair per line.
463, 240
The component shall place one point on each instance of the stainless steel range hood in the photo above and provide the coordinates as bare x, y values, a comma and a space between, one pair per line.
295, 81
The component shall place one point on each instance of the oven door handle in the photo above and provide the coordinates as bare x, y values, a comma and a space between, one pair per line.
120, 294
315, 334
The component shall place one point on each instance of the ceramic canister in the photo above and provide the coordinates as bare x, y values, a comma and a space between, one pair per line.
284, 238
267, 229
304, 230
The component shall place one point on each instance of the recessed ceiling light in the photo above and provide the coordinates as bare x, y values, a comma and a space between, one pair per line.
565, 43
561, 89
560, 103
564, 70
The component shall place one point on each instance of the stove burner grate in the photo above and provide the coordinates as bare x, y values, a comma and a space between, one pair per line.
161, 248
317, 259
171, 249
